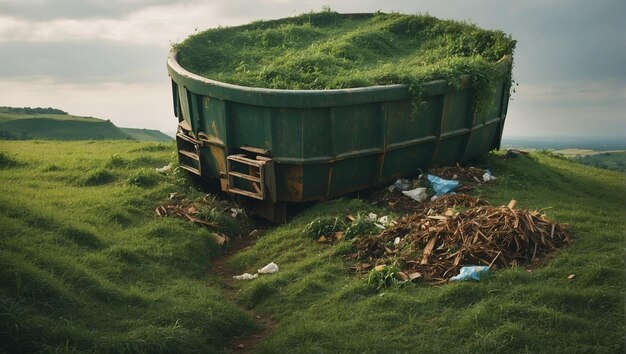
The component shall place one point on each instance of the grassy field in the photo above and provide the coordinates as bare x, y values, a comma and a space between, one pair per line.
86, 266
612, 159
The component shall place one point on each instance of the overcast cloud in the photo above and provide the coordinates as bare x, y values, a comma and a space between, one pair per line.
106, 58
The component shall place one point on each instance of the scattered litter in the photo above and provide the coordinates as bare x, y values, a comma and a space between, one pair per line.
414, 276
488, 176
221, 239
269, 269
468, 177
417, 194
396, 241
195, 210
401, 184
471, 272
245, 276
235, 211
383, 222
164, 169
571, 276
515, 153
442, 186
434, 197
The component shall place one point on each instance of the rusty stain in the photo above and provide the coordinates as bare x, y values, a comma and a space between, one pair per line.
219, 157
214, 130
292, 175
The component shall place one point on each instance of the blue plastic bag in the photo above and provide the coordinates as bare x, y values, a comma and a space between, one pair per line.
471, 272
442, 186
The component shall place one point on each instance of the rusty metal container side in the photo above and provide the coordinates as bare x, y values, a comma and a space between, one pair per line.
324, 143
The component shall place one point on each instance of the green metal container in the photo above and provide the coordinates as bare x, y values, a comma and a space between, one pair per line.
292, 146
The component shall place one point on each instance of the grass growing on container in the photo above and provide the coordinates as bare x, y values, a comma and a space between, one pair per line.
86, 266
328, 50
320, 305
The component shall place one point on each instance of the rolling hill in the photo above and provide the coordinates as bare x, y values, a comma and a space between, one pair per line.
87, 265
53, 124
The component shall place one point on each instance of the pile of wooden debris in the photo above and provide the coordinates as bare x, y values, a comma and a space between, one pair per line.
459, 230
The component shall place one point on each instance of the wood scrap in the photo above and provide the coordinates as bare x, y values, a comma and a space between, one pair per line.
482, 234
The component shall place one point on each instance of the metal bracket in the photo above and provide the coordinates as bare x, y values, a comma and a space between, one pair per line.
188, 149
252, 178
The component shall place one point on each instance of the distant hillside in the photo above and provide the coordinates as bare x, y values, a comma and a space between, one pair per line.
599, 143
24, 123
146, 134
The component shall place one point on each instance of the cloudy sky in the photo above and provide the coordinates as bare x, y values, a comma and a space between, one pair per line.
106, 58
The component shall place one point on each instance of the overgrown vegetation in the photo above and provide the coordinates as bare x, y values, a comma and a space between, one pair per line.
329, 50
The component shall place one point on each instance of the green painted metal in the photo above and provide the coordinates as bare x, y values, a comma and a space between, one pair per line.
325, 143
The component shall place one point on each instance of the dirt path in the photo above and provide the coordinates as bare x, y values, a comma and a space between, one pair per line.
246, 343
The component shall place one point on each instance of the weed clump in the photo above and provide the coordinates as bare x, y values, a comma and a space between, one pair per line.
227, 225
7, 160
99, 177
383, 277
143, 178
323, 226
361, 226
116, 161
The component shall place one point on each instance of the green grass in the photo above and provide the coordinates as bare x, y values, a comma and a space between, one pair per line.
87, 267
322, 306
329, 50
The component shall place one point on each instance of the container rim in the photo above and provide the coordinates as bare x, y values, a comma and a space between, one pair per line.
175, 66
290, 98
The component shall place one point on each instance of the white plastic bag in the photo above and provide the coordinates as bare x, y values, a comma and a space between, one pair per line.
418, 194
245, 276
164, 169
268, 269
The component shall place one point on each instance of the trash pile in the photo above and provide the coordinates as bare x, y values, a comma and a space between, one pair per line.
405, 195
208, 212
469, 177
454, 231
